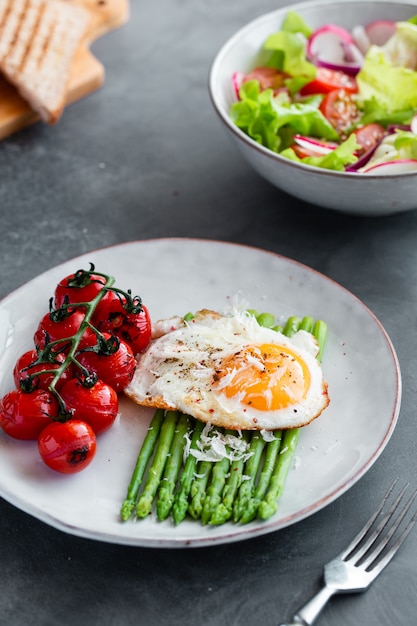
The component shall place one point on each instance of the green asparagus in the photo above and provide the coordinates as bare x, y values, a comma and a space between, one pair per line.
144, 504
141, 464
224, 509
180, 506
172, 469
271, 453
250, 472
269, 504
198, 488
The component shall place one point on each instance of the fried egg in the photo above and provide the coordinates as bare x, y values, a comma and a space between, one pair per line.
230, 372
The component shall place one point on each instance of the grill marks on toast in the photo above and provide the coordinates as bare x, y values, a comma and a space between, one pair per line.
38, 40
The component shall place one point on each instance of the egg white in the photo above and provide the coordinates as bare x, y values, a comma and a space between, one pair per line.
177, 372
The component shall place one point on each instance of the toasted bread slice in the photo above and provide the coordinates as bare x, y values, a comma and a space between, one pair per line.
38, 40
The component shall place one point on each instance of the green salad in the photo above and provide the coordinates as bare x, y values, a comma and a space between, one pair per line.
332, 98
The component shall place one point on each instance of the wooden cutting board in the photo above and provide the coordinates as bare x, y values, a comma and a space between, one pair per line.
87, 73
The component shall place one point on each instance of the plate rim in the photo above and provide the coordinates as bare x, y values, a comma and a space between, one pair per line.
245, 532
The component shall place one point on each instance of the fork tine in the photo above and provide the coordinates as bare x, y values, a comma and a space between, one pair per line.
361, 534
377, 569
381, 545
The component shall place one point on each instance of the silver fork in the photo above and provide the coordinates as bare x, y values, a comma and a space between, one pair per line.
354, 569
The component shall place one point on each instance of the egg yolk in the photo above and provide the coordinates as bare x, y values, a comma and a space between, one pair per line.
267, 377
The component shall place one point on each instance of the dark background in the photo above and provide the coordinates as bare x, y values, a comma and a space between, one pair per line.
146, 157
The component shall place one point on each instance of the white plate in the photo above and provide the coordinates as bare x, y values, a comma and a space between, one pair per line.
180, 275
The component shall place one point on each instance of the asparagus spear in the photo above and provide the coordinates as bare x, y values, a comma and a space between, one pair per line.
291, 325
271, 453
141, 463
198, 488
172, 469
269, 504
250, 471
306, 324
224, 509
180, 506
144, 504
214, 491
320, 333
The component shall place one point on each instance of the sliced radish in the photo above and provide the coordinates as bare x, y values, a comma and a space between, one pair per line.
334, 48
380, 31
392, 167
319, 148
237, 80
361, 39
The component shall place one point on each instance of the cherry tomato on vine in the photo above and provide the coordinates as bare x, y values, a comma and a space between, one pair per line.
340, 109
54, 326
327, 80
24, 369
25, 415
134, 328
97, 404
82, 286
114, 364
67, 447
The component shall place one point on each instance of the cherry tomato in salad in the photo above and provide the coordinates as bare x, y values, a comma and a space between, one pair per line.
111, 316
59, 325
82, 286
25, 415
268, 77
368, 137
340, 109
67, 447
26, 368
112, 360
327, 80
96, 405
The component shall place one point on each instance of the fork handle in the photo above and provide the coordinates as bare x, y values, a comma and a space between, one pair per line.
308, 614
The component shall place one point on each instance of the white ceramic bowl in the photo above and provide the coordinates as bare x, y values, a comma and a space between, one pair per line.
341, 191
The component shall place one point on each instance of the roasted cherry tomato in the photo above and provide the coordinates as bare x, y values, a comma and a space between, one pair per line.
339, 108
25, 415
78, 287
59, 325
111, 316
24, 370
368, 137
67, 447
328, 80
97, 404
112, 360
268, 77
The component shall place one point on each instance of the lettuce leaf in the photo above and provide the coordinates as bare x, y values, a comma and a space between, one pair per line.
336, 160
294, 23
293, 58
273, 121
375, 111
387, 75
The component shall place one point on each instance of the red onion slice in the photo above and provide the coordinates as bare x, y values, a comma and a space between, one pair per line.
334, 48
